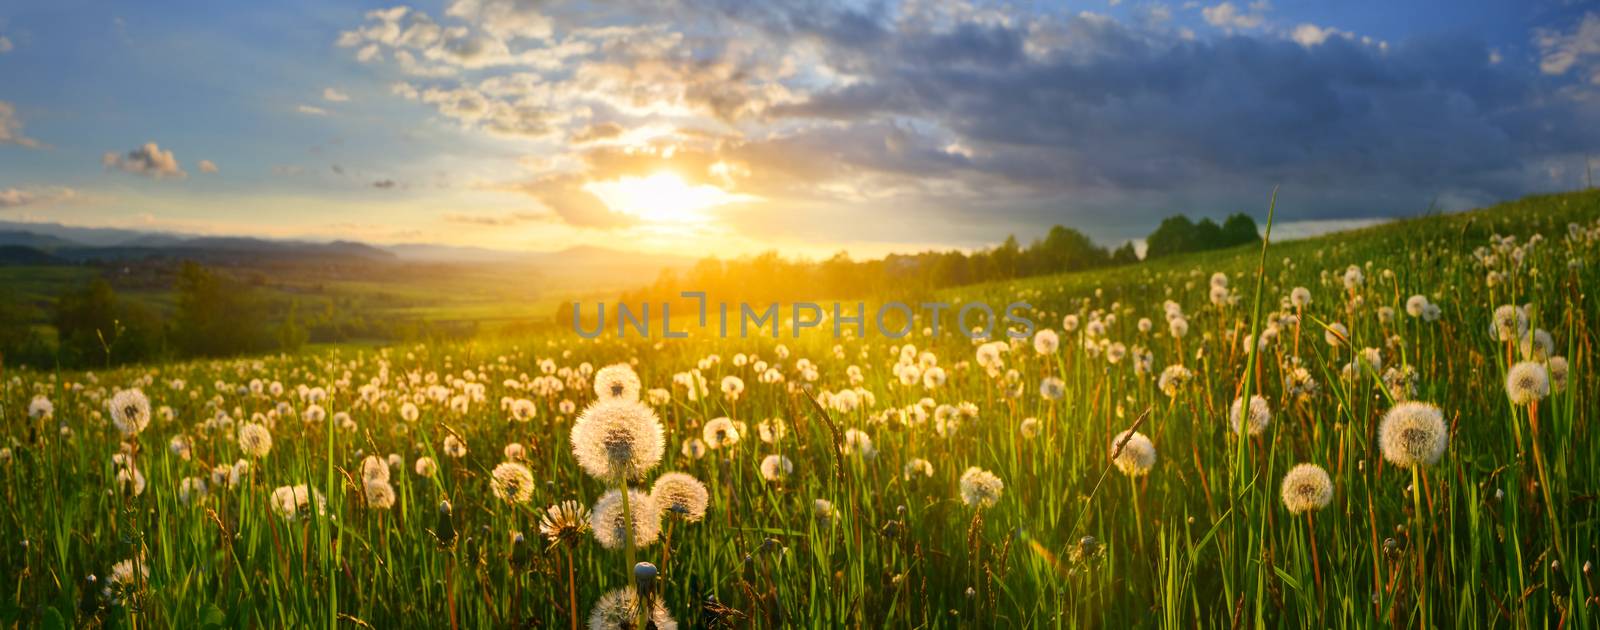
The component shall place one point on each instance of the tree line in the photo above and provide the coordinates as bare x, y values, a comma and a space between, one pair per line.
770, 277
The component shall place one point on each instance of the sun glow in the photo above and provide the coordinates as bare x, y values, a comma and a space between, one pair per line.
663, 197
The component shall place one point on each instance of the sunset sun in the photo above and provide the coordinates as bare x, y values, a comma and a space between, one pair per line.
663, 197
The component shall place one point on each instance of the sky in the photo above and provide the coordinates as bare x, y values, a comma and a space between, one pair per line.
808, 126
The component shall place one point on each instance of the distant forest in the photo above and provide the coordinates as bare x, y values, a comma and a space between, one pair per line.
769, 277
218, 314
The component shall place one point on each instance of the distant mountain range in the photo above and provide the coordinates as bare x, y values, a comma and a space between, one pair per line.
54, 244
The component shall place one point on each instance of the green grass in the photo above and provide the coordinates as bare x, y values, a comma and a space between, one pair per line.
1203, 540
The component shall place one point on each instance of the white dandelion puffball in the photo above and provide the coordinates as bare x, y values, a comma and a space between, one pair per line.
1527, 382
512, 483
1172, 380
380, 495
1051, 388
1336, 335
1300, 297
454, 447
1046, 342
609, 524
1138, 455
617, 382
980, 488
917, 468
295, 502
617, 610
130, 411
1416, 305
617, 439
720, 432
1306, 488
680, 495
776, 467
255, 440
1413, 434
1558, 373
374, 468
1260, 415
858, 443
824, 512
1029, 428
425, 467
1509, 323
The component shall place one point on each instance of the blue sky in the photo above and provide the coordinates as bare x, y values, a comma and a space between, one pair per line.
733, 126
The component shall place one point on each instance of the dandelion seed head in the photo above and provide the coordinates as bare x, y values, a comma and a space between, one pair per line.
680, 495
720, 432
618, 610
1306, 488
512, 483
1413, 434
617, 382
1527, 382
617, 439
380, 495
255, 441
1137, 456
776, 467
610, 527
1260, 415
130, 411
980, 488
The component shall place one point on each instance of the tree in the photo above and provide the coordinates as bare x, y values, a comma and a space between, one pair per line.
1125, 254
1175, 235
96, 328
1240, 229
217, 316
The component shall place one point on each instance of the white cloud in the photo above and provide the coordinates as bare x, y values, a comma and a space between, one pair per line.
11, 127
5, 45
1561, 51
1229, 16
18, 197
207, 166
311, 110
1309, 35
334, 96
148, 160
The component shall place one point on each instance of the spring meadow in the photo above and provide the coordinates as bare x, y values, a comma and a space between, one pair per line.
826, 314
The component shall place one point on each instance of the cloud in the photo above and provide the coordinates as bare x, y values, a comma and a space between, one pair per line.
207, 166
968, 113
18, 197
1561, 51
1228, 15
148, 160
334, 96
600, 131
311, 110
513, 218
5, 45
1309, 35
384, 184
565, 196
11, 127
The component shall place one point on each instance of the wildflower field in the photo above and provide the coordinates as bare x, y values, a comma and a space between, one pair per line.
1393, 426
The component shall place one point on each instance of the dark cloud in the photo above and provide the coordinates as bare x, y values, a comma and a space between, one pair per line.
385, 184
